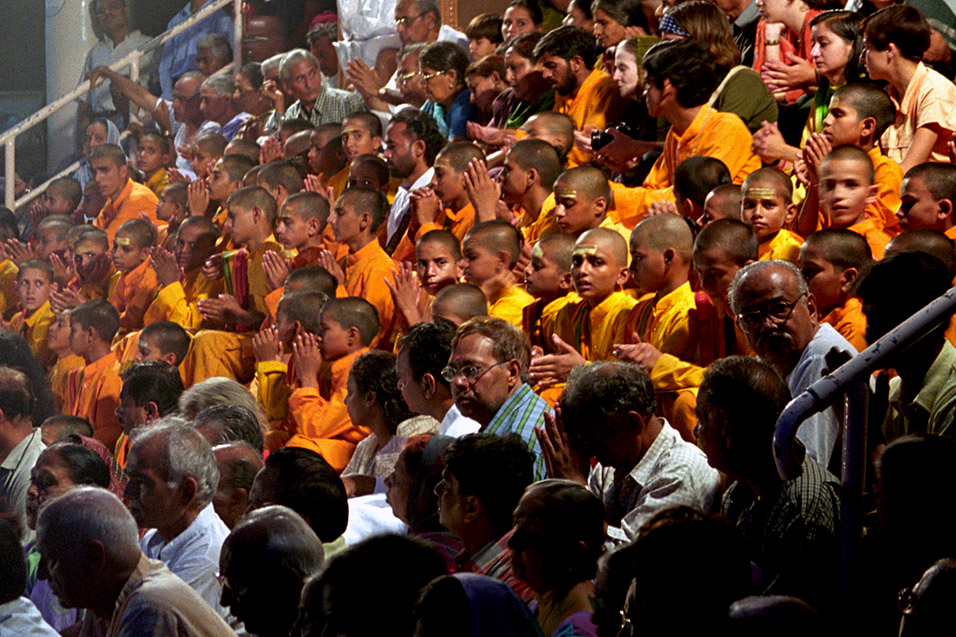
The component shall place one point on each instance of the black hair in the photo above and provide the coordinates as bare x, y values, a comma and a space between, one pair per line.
308, 485
155, 381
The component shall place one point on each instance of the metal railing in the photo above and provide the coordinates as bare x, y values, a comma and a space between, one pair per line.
8, 138
850, 381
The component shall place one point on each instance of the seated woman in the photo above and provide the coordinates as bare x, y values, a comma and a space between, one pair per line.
614, 22
442, 67
411, 493
375, 401
558, 537
249, 99
474, 605
485, 81
579, 15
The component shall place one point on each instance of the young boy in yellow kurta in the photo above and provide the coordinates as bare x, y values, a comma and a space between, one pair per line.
846, 190
236, 314
32, 322
347, 327
489, 254
548, 279
767, 207
582, 196
830, 261
155, 153
171, 209
136, 285
58, 342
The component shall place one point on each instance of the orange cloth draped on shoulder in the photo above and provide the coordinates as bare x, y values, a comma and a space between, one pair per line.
94, 392
850, 322
872, 231
596, 103
134, 200
132, 295
366, 272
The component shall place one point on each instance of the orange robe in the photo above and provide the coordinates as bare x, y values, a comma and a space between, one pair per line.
59, 378
321, 418
723, 136
888, 176
872, 231
9, 301
132, 295
541, 226
134, 200
34, 329
510, 304
366, 272
94, 392
177, 302
594, 331
458, 223
596, 103
850, 322
785, 245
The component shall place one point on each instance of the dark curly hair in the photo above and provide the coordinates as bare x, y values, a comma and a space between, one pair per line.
374, 373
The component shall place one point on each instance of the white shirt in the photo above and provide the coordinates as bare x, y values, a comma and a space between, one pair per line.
401, 202
456, 425
180, 139
15, 470
104, 53
20, 618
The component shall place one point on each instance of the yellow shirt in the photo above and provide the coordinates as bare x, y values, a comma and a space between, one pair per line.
538, 319
594, 331
9, 301
666, 323
546, 223
888, 176
177, 302
34, 329
510, 304
596, 103
785, 245
157, 182
850, 322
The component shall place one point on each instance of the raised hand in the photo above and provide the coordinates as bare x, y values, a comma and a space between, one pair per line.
552, 369
561, 460
266, 345
212, 268
271, 150
407, 293
18, 252
307, 359
276, 270
197, 197
165, 265
327, 261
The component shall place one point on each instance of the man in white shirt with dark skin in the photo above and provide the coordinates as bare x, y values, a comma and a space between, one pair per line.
20, 443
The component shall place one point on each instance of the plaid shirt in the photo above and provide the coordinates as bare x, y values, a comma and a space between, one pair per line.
792, 533
331, 107
521, 413
179, 54
494, 560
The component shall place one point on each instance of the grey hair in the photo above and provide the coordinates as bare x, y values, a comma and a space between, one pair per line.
223, 85
87, 514
328, 30
292, 58
218, 391
188, 455
278, 536
411, 49
758, 266
609, 389
430, 6
271, 64
217, 44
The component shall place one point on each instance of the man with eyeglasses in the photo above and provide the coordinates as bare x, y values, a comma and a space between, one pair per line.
487, 371
778, 315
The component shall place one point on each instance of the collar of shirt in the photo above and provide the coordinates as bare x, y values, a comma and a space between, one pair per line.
16, 454
156, 547
643, 470
938, 377
518, 397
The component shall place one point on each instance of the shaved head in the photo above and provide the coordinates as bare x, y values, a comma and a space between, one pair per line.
495, 236
459, 302
444, 238
664, 231
841, 247
559, 247
931, 242
458, 155
773, 177
734, 237
587, 181
610, 239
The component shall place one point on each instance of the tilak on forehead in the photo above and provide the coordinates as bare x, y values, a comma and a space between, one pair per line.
121, 241
537, 251
586, 249
762, 193
444, 162
565, 192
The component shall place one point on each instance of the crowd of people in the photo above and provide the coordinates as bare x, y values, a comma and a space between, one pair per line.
487, 336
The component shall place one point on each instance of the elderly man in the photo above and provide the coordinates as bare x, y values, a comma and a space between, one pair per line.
213, 52
778, 315
790, 525
89, 552
117, 42
315, 102
20, 443
172, 478
265, 562
487, 370
643, 464
238, 465
179, 54
216, 105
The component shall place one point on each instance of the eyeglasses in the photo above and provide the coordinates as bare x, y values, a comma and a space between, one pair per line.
407, 20
427, 76
778, 312
405, 78
469, 372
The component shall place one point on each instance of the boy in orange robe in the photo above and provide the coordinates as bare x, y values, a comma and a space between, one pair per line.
767, 207
347, 327
489, 254
125, 199
846, 190
136, 286
58, 342
436, 267
928, 198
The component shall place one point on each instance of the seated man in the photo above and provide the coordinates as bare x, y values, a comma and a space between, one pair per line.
264, 564
777, 313
790, 525
238, 464
607, 410
124, 592
489, 361
125, 199
481, 485
172, 478
314, 101
22, 443
151, 391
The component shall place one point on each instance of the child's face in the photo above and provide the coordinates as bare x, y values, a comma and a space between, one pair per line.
58, 337
285, 329
765, 209
361, 175
292, 230
842, 125
334, 340
574, 212
87, 255
346, 224
436, 266
478, 264
919, 209
542, 276
79, 339
357, 140
824, 280
845, 191
648, 266
193, 247
240, 224
47, 243
167, 209
218, 183
595, 272
57, 203
151, 155
446, 183
202, 161
127, 254
480, 48
147, 350
33, 288
716, 270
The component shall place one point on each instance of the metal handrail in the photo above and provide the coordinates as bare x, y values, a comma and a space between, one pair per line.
9, 137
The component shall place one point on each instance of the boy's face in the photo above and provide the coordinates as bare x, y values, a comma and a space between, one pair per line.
919, 208
57, 203
845, 190
574, 212
240, 224
480, 48
842, 126
292, 230
151, 156
285, 329
147, 350
542, 276
33, 288
167, 209
716, 270
193, 247
478, 263
127, 254
357, 140
824, 280
333, 339
765, 209
361, 175
595, 272
202, 161
79, 339
218, 184
446, 183
436, 266
514, 180
109, 178
648, 266
47, 243
346, 223
87, 256
58, 337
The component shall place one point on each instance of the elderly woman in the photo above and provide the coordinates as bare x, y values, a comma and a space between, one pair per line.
442, 67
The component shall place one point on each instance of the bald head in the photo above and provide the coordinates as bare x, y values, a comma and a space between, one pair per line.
610, 240
586, 181
735, 238
932, 242
457, 155
496, 236
664, 231
841, 247
559, 247
459, 302
555, 128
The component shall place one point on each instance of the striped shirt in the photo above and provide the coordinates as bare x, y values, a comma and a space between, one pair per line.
331, 107
520, 414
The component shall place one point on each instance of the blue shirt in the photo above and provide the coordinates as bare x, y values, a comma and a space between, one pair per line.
179, 54
520, 414
452, 123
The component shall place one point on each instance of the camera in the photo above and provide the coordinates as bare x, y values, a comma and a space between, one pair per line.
601, 138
